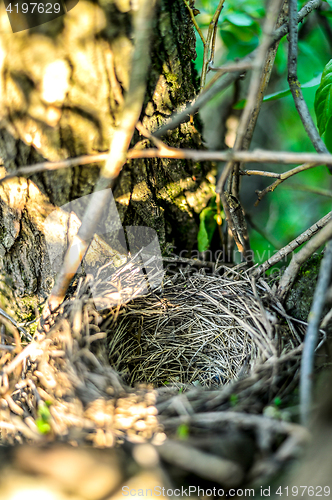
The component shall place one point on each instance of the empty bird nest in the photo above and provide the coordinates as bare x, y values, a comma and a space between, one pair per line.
118, 359
198, 329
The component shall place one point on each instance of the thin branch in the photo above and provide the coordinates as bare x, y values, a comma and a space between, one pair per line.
281, 178
192, 15
14, 322
300, 257
213, 43
305, 236
210, 41
262, 173
310, 341
56, 165
304, 12
202, 99
252, 97
257, 86
264, 81
266, 71
164, 151
117, 155
295, 86
229, 67
255, 93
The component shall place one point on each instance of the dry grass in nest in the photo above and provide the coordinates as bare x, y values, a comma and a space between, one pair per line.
201, 329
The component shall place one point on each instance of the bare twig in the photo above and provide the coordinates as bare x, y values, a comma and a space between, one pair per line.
262, 173
210, 40
255, 156
310, 341
164, 151
304, 12
117, 155
259, 79
192, 15
293, 244
281, 178
300, 257
57, 165
206, 465
295, 85
14, 322
228, 68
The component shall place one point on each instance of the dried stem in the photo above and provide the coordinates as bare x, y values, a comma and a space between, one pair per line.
164, 151
281, 178
192, 15
300, 257
16, 325
210, 43
260, 76
293, 245
295, 85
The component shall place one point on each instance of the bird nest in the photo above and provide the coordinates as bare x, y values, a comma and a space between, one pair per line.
189, 327
200, 329
201, 351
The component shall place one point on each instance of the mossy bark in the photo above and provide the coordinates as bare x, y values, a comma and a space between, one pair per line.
299, 298
63, 85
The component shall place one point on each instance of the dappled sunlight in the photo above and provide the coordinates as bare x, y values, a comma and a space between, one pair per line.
55, 82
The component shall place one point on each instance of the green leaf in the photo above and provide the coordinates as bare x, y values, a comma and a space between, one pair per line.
323, 99
314, 82
42, 426
329, 2
277, 95
240, 104
328, 135
207, 227
183, 431
277, 401
234, 399
239, 19
43, 412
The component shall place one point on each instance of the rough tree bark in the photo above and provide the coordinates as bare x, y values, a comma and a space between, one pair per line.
62, 88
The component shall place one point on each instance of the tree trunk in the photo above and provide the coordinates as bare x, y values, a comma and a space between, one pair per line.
62, 91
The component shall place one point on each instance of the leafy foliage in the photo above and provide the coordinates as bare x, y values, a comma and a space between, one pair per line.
323, 105
290, 209
207, 226
44, 417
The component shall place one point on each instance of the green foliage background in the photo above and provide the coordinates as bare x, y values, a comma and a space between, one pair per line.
293, 206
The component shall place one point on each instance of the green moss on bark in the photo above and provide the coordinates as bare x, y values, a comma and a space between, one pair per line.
299, 299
